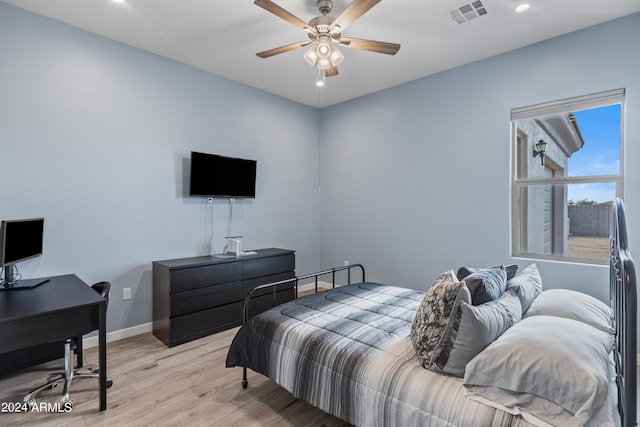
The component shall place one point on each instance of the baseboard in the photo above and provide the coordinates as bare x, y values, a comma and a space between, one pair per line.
311, 286
148, 327
119, 335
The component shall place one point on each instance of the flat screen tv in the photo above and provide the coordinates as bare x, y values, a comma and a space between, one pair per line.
20, 240
219, 176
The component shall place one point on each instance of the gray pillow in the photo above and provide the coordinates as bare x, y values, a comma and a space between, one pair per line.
479, 326
438, 317
573, 305
545, 368
486, 284
510, 269
527, 285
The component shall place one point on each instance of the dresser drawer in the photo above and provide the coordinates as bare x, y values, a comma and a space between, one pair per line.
202, 323
209, 297
248, 285
269, 265
263, 303
187, 279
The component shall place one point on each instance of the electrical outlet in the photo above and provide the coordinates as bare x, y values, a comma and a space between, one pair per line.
346, 262
126, 293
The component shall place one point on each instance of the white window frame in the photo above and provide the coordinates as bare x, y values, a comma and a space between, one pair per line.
601, 99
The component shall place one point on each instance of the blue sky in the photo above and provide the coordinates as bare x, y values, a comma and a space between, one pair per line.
600, 155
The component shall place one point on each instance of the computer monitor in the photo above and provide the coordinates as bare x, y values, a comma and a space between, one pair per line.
20, 240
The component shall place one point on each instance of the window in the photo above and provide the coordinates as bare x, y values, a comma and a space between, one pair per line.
567, 169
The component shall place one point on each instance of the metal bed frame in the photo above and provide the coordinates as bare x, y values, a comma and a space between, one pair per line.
296, 280
623, 294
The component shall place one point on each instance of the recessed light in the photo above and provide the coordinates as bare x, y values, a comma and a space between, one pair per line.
118, 1
319, 83
522, 7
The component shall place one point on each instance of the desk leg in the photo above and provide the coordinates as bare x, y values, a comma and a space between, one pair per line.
102, 350
79, 353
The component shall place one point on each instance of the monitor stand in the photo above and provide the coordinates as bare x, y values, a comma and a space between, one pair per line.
23, 284
10, 284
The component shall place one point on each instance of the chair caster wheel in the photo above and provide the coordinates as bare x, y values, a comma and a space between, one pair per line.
245, 383
109, 383
55, 377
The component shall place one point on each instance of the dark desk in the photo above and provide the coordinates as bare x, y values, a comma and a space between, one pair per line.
65, 307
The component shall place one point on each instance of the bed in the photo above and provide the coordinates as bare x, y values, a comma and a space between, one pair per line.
354, 352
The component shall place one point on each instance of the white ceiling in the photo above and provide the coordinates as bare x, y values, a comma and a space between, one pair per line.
223, 36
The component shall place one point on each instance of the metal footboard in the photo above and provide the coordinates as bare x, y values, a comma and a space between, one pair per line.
295, 280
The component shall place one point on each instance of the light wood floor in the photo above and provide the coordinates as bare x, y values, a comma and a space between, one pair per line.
156, 385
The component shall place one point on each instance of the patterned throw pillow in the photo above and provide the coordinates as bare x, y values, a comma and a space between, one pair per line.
438, 317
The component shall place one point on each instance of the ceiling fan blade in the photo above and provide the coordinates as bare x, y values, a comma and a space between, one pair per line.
371, 45
283, 49
355, 10
270, 6
330, 72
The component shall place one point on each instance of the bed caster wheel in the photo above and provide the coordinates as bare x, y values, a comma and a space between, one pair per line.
245, 383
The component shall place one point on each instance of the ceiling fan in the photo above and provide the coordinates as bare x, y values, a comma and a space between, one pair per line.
325, 33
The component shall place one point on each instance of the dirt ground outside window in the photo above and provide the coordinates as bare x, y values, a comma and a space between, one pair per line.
589, 247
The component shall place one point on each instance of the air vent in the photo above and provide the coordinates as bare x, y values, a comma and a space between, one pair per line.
468, 11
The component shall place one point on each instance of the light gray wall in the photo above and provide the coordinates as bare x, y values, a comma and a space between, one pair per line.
95, 137
416, 179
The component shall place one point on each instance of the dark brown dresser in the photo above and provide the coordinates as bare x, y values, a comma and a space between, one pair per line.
199, 296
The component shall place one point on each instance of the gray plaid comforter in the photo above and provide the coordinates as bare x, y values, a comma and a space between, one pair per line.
347, 351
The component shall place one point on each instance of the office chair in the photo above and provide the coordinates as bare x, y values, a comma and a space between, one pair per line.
69, 374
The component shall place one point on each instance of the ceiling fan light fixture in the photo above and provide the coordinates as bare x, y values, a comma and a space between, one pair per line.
323, 50
336, 56
324, 63
311, 56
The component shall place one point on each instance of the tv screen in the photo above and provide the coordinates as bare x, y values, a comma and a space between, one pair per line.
218, 176
20, 240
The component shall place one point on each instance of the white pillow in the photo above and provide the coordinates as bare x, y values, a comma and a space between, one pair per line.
527, 285
548, 369
573, 305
